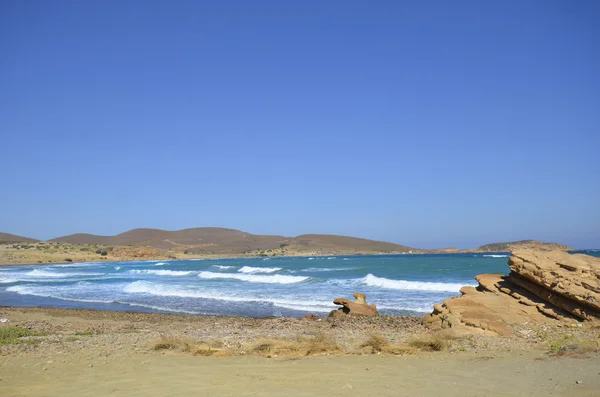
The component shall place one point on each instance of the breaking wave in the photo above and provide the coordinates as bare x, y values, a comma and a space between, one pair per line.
374, 281
495, 256
162, 272
250, 269
252, 278
145, 287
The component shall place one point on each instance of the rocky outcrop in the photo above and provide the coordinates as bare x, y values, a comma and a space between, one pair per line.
359, 307
543, 286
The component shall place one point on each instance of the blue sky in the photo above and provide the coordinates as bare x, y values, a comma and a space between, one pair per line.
428, 124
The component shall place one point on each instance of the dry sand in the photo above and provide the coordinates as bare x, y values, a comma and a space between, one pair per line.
99, 353
468, 374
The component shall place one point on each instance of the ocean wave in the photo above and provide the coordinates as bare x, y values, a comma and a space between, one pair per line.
45, 293
374, 281
332, 257
163, 290
78, 264
8, 280
37, 273
252, 278
162, 272
495, 256
224, 267
250, 269
161, 308
117, 267
327, 269
51, 293
161, 264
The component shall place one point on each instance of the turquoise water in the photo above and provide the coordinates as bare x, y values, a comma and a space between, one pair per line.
257, 287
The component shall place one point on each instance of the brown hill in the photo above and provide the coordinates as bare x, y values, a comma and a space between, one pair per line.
522, 244
330, 244
82, 238
213, 240
13, 238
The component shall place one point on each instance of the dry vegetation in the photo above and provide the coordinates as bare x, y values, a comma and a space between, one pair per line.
573, 345
188, 345
300, 346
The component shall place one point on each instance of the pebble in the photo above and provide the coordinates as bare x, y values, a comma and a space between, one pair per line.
579, 382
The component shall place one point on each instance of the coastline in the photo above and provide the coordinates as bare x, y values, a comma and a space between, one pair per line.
234, 256
103, 353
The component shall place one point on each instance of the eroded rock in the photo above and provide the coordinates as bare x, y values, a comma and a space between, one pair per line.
359, 307
543, 287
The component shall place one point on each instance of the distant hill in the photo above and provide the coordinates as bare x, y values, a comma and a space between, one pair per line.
222, 241
514, 245
13, 238
82, 238
333, 243
230, 241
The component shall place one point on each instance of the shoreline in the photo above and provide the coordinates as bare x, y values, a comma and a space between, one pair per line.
101, 353
210, 257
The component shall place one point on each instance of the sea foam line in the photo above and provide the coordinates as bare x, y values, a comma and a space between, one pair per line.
374, 281
162, 272
251, 270
253, 278
145, 287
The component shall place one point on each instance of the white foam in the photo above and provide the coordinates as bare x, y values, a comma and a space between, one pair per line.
161, 264
43, 273
145, 287
327, 269
495, 256
331, 257
40, 291
373, 281
117, 267
161, 308
175, 273
8, 280
223, 267
250, 269
253, 278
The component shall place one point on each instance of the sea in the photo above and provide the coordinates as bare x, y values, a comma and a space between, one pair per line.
250, 287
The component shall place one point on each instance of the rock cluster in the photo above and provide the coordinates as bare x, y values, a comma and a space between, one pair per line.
543, 286
359, 307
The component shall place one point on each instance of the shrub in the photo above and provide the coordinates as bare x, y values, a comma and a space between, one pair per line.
103, 253
377, 342
293, 348
12, 335
431, 342
188, 345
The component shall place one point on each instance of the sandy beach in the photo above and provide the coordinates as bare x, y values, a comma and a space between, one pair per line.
84, 352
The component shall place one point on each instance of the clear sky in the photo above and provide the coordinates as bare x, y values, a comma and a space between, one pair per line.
425, 123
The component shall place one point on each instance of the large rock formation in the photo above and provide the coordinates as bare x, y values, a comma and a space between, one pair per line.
543, 286
359, 307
